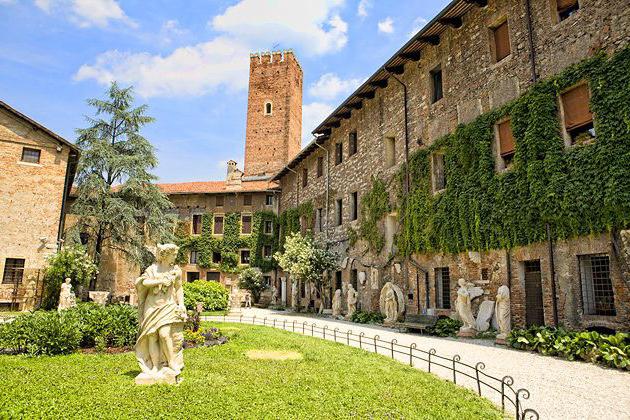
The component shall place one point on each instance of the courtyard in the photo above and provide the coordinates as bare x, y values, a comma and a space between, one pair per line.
328, 381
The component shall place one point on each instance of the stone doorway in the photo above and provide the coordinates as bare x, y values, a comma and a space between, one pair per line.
534, 311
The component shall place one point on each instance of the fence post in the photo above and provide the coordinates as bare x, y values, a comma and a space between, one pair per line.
313, 329
265, 321
240, 320
304, 328
274, 322
394, 341
376, 338
284, 324
361, 334
431, 352
294, 325
456, 359
509, 381
254, 320
411, 347
335, 333
521, 393
325, 327
348, 336
479, 366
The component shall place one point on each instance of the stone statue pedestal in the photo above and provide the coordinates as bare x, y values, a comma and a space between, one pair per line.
164, 376
501, 341
467, 333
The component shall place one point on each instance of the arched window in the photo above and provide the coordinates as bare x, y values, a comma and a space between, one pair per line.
268, 108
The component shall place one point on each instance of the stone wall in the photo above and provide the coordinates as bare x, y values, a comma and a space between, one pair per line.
32, 194
473, 84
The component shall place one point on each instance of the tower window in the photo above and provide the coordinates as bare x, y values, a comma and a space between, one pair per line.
268, 108
437, 92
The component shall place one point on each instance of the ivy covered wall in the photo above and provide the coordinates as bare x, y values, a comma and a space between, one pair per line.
578, 190
229, 244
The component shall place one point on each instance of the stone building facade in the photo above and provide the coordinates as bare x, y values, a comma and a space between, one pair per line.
474, 57
38, 166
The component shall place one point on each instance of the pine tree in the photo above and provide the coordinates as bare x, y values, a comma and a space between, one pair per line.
118, 204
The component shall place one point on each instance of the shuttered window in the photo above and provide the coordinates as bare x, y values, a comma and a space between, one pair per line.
196, 224
576, 108
501, 41
246, 225
506, 138
218, 225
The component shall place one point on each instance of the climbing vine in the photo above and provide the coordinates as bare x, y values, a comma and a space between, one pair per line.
375, 205
229, 244
290, 220
580, 190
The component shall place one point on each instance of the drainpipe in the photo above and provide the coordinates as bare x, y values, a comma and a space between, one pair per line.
327, 185
530, 40
552, 272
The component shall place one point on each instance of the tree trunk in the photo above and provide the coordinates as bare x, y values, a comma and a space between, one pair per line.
98, 247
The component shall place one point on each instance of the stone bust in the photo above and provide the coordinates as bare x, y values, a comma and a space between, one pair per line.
161, 314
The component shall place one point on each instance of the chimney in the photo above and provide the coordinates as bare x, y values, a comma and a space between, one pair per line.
234, 175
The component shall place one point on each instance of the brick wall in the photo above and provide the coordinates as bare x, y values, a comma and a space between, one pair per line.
273, 139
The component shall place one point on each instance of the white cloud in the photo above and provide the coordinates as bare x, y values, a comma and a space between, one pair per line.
362, 8
87, 13
330, 86
386, 26
250, 25
417, 24
187, 71
170, 30
312, 115
314, 26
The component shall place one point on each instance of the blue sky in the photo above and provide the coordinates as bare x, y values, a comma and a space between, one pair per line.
188, 60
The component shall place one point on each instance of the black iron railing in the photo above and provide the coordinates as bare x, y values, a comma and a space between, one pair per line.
512, 399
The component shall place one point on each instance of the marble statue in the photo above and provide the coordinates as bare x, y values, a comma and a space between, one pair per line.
336, 304
99, 297
484, 315
67, 298
161, 316
464, 309
248, 299
391, 302
502, 313
30, 296
274, 295
352, 301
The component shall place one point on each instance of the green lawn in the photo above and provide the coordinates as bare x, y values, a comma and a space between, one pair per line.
330, 381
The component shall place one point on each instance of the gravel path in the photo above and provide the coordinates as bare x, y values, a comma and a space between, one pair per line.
559, 389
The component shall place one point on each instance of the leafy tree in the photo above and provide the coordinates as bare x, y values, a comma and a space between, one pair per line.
71, 261
118, 204
252, 280
306, 261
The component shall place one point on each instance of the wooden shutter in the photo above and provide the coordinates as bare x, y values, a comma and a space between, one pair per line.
565, 4
218, 225
576, 110
246, 224
506, 138
196, 224
502, 41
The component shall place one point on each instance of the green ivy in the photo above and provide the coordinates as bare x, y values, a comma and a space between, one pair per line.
289, 220
229, 244
374, 206
581, 190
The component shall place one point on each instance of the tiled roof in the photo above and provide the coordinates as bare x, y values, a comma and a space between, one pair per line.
209, 187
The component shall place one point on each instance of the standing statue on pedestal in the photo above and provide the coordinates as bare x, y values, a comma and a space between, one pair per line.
391, 306
274, 295
352, 301
294, 294
465, 295
502, 313
67, 298
162, 314
336, 304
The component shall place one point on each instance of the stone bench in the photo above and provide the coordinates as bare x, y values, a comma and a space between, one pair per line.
417, 322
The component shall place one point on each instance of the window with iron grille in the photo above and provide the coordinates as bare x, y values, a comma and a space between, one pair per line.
196, 224
31, 155
213, 276
247, 199
320, 166
338, 153
598, 297
193, 256
443, 287
246, 224
13, 271
352, 143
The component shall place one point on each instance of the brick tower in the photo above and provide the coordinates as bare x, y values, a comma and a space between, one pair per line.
274, 112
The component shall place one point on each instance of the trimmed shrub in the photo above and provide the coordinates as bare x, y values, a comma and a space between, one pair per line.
361, 317
445, 327
212, 294
116, 325
609, 350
